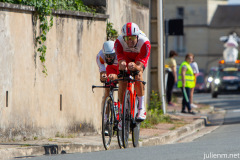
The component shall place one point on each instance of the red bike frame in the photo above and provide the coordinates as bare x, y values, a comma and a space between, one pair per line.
130, 86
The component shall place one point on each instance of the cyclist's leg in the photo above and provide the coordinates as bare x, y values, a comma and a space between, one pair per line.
140, 90
110, 69
121, 90
122, 85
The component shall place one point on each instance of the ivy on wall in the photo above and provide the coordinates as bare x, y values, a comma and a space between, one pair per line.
44, 8
112, 34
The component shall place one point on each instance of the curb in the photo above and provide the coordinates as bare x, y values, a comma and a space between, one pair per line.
174, 136
39, 150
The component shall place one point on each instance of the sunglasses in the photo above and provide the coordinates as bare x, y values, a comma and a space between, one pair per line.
109, 55
126, 38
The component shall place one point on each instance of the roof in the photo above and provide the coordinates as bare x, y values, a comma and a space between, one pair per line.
226, 16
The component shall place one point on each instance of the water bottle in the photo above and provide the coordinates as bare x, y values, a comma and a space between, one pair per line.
116, 109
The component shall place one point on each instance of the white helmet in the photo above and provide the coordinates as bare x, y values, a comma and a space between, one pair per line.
130, 29
109, 52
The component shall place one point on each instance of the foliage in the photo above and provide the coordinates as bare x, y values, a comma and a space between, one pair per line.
112, 34
155, 117
154, 101
44, 8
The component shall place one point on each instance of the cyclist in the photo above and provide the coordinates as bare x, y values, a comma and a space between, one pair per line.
107, 56
133, 51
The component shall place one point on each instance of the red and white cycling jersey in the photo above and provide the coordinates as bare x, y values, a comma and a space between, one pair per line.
140, 52
101, 62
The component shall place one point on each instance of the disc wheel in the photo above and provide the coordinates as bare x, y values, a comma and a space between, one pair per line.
135, 126
107, 123
126, 118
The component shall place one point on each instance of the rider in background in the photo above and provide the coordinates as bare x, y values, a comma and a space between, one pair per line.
133, 51
107, 56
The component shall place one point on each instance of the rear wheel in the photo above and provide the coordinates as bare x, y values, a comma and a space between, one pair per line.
126, 118
120, 138
135, 126
107, 123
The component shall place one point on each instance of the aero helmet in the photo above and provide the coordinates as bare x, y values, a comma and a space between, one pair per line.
130, 29
109, 52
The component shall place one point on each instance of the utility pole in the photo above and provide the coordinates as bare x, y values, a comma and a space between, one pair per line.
161, 53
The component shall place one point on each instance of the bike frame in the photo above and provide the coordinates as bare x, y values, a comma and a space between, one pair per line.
132, 91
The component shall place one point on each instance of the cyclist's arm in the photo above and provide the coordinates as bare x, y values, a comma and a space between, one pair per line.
140, 66
112, 76
102, 69
144, 54
101, 62
122, 65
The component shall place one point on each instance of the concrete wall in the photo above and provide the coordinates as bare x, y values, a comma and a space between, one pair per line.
33, 107
33, 99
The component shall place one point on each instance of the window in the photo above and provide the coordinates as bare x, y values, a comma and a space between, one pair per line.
180, 12
179, 44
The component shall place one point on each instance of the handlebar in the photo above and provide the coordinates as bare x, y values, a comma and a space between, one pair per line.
126, 77
106, 85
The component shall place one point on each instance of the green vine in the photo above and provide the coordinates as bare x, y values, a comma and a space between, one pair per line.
44, 9
112, 34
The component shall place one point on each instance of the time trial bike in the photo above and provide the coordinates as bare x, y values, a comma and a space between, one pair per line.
129, 110
110, 116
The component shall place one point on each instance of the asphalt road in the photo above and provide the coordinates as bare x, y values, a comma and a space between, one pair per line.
222, 143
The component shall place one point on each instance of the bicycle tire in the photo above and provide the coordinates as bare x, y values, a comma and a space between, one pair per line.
136, 126
126, 118
107, 125
119, 132
119, 138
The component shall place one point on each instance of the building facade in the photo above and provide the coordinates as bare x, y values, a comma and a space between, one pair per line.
200, 37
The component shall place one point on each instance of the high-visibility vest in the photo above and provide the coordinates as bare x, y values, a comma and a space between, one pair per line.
189, 76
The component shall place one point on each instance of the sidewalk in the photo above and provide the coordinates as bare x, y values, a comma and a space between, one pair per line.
160, 134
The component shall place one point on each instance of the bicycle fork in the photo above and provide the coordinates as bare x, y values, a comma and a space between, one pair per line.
132, 101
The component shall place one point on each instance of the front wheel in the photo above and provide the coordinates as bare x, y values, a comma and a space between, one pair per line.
107, 122
126, 118
135, 125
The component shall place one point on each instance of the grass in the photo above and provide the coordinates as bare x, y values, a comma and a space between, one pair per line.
154, 117
155, 114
